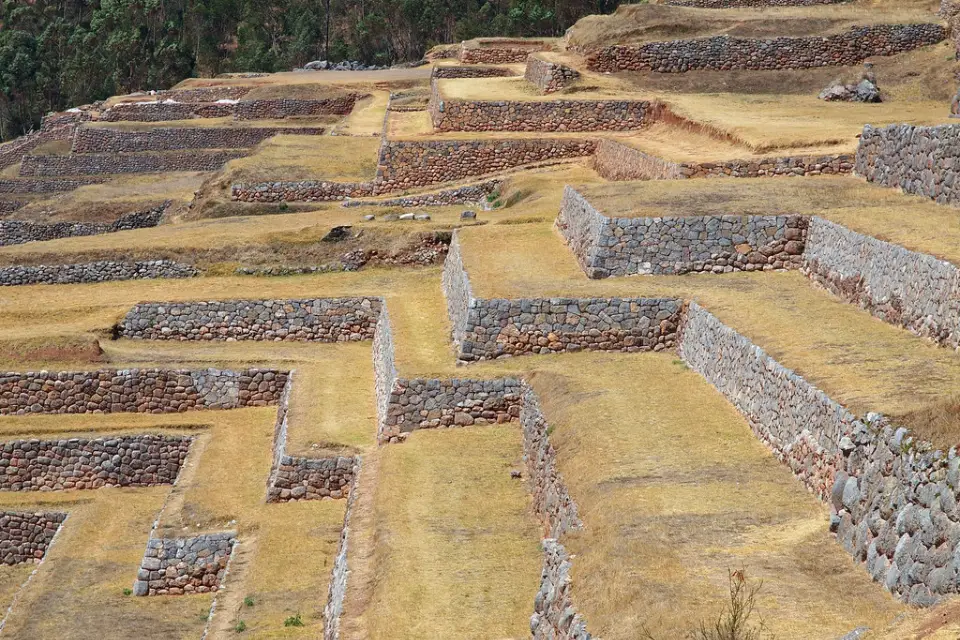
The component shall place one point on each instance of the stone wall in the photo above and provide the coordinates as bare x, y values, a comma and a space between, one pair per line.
179, 566
924, 298
475, 194
722, 53
43, 185
289, 107
555, 617
337, 592
411, 164
21, 231
14, 151
309, 320
104, 140
385, 372
110, 163
83, 463
503, 52
102, 271
25, 537
678, 244
166, 110
919, 160
893, 499
617, 161
9, 206
734, 4
205, 94
471, 72
137, 390
540, 115
300, 191
485, 329
548, 76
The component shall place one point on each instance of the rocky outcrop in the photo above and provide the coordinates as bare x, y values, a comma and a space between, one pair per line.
88, 272
26, 537
181, 566
722, 53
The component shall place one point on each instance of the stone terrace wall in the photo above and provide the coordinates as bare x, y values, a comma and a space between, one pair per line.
457, 292
310, 320
109, 163
104, 140
919, 160
138, 390
205, 94
289, 107
547, 76
82, 463
679, 244
25, 537
555, 617
385, 371
337, 593
733, 4
9, 206
14, 151
41, 185
617, 161
411, 164
893, 499
552, 115
102, 271
167, 110
301, 191
924, 298
471, 72
469, 194
21, 231
178, 566
505, 52
722, 53
429, 404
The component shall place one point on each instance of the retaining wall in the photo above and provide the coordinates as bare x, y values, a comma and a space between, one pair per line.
9, 206
205, 94
14, 151
505, 52
893, 499
617, 161
534, 115
21, 231
290, 107
25, 537
44, 185
166, 110
722, 53
102, 271
919, 160
555, 617
110, 163
300, 191
138, 390
469, 194
337, 592
82, 463
178, 566
548, 76
309, 320
906, 288
104, 140
471, 72
734, 4
678, 244
492, 328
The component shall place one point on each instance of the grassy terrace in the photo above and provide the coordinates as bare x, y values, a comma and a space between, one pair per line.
339, 159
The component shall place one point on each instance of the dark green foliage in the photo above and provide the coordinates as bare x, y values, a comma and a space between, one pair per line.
56, 54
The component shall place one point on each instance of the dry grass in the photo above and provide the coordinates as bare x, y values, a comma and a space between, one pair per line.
457, 552
334, 158
367, 116
642, 23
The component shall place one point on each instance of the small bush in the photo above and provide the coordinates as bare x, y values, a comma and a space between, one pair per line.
240, 627
293, 621
284, 206
248, 601
128, 592
734, 621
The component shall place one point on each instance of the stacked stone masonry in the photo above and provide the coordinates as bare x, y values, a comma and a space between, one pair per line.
105, 140
44, 185
540, 115
494, 328
205, 94
102, 271
723, 53
179, 566
138, 390
919, 160
555, 617
547, 76
617, 161
894, 501
902, 287
82, 463
110, 163
471, 72
267, 109
678, 244
385, 372
500, 52
310, 320
166, 110
9, 206
25, 537
469, 194
337, 592
734, 4
302, 191
14, 151
20, 231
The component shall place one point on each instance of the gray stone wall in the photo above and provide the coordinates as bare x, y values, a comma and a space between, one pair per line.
893, 499
734, 4
504, 51
205, 94
168, 110
555, 617
25, 537
45, 185
337, 593
475, 194
14, 151
471, 72
923, 298
309, 320
87, 272
84, 463
137, 390
385, 372
272, 109
722, 53
181, 566
679, 244
110, 163
301, 191
533, 115
21, 231
919, 160
104, 140
456, 290
9, 206
546, 76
